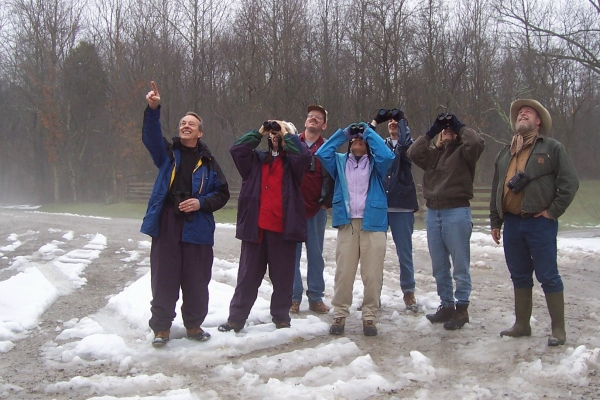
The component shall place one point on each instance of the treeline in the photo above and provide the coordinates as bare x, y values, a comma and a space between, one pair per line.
73, 76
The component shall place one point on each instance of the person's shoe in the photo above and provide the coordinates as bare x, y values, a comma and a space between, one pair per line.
295, 308
410, 302
161, 338
369, 328
337, 328
460, 317
282, 325
229, 326
318, 307
198, 334
443, 314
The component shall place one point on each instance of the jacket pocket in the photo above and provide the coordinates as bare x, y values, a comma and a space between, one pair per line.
377, 214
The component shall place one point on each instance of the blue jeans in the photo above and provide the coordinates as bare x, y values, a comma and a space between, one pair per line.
402, 226
530, 246
315, 236
449, 235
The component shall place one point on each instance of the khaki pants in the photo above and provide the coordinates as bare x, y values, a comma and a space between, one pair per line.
354, 244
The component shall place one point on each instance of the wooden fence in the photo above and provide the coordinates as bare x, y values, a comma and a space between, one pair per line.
480, 205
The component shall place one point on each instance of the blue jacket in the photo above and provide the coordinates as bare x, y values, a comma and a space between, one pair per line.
248, 160
208, 184
380, 158
399, 183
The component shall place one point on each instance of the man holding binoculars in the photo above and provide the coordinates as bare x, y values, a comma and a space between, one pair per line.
534, 183
401, 198
449, 167
360, 214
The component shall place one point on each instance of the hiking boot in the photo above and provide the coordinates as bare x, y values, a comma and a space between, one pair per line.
295, 308
282, 325
443, 314
228, 326
318, 307
198, 334
410, 302
337, 328
369, 328
161, 338
460, 317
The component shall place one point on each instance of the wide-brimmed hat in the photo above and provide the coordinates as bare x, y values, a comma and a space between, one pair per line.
318, 108
542, 112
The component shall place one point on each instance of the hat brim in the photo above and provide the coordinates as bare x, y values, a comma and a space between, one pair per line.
516, 105
318, 108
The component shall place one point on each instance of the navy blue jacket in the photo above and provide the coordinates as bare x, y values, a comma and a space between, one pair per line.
398, 182
248, 160
208, 184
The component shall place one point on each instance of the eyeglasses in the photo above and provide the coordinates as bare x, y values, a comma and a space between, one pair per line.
317, 116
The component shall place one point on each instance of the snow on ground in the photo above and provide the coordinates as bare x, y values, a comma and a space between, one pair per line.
117, 335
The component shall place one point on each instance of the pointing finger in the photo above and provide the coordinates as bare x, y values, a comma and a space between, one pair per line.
154, 88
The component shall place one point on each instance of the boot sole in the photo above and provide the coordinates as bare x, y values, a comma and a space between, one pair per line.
159, 344
515, 335
454, 325
336, 332
203, 337
555, 342
413, 307
227, 327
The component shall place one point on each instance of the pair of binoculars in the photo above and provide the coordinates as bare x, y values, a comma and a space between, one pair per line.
445, 120
178, 197
271, 126
356, 129
386, 115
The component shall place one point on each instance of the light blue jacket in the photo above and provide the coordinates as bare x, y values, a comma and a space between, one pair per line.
380, 158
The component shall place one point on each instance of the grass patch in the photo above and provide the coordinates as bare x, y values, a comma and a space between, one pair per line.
584, 211
122, 210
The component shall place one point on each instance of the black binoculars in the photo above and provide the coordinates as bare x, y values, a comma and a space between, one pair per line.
356, 129
445, 119
386, 115
178, 197
518, 182
271, 126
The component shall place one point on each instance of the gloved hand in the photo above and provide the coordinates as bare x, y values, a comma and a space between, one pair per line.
456, 124
362, 129
397, 114
349, 132
382, 116
437, 127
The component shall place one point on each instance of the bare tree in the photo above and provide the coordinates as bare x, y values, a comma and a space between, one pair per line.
573, 26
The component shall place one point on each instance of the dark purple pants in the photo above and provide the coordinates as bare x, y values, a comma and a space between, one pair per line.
174, 265
280, 255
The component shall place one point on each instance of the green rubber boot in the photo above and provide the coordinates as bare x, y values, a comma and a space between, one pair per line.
556, 308
523, 306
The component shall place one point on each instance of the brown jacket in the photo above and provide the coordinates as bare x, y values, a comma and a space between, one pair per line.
450, 170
